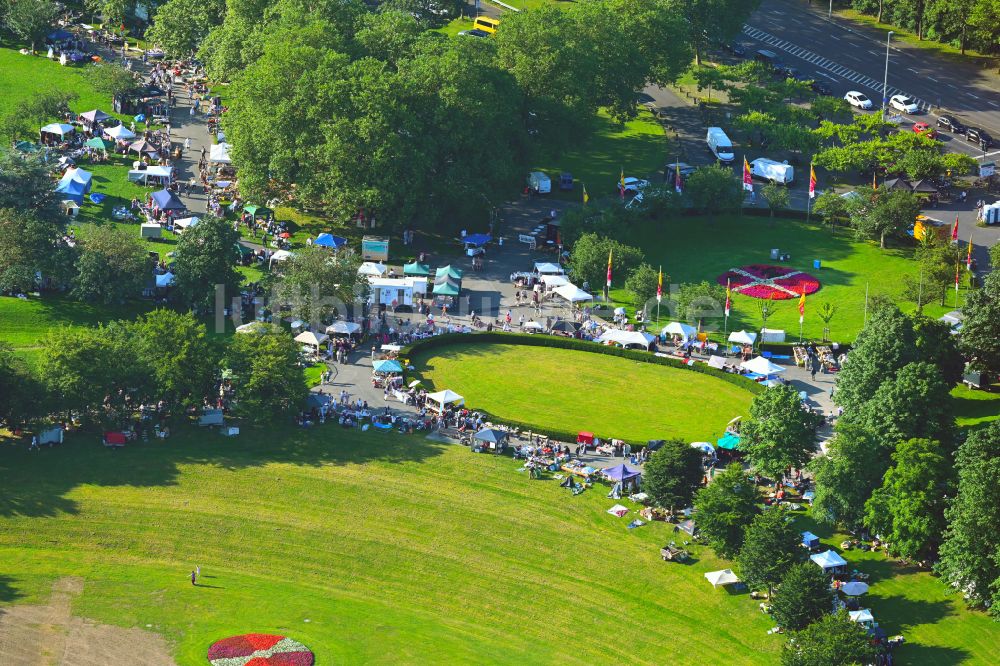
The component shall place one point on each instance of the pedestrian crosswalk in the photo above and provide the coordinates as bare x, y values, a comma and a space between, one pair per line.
828, 65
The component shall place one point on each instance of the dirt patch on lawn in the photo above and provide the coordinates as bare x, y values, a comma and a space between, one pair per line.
49, 635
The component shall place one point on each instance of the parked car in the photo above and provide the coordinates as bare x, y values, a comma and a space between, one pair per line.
976, 135
539, 182
904, 103
925, 129
772, 171
565, 181
685, 169
720, 145
820, 88
475, 32
633, 185
950, 124
858, 100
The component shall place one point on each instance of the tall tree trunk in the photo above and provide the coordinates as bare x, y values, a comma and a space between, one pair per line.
881, 241
965, 26
879, 19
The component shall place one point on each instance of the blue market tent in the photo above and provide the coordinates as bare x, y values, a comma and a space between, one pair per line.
810, 540
729, 441
166, 200
387, 366
621, 473
477, 239
329, 240
75, 184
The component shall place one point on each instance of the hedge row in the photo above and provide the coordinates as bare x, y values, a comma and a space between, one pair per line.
559, 342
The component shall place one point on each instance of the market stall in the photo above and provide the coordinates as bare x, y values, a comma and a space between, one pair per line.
442, 400
343, 328
829, 562
74, 184
154, 174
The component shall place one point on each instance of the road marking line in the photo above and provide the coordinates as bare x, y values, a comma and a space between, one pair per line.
832, 78
993, 104
910, 69
931, 78
972, 96
834, 37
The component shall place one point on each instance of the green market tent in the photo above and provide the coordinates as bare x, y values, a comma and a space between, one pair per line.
448, 271
99, 143
729, 441
26, 147
420, 270
256, 210
243, 250
447, 288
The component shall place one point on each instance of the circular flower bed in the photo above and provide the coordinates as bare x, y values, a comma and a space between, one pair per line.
259, 650
770, 282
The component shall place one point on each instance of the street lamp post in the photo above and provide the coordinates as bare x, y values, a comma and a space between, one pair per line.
885, 81
829, 16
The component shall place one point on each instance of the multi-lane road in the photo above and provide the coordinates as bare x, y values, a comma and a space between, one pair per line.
846, 57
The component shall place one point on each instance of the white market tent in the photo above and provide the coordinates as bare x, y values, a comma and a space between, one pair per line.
279, 255
442, 399
828, 560
573, 294
704, 447
534, 326
252, 327
159, 175
863, 616
547, 268
553, 281
677, 328
742, 337
343, 328
372, 268
722, 577
717, 362
119, 133
219, 153
164, 281
625, 338
186, 222
59, 129
761, 366
311, 339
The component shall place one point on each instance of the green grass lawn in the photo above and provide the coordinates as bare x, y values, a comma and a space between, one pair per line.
974, 409
573, 390
692, 249
373, 547
639, 147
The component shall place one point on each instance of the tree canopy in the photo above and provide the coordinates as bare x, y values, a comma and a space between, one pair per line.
112, 267
672, 474
980, 339
267, 380
771, 545
780, 432
832, 640
803, 597
206, 257
724, 508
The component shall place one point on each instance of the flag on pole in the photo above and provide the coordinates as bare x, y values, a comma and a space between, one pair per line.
659, 286
875, 180
621, 184
677, 177
954, 230
812, 182
609, 267
729, 293
957, 267
968, 255
586, 197
747, 178
802, 306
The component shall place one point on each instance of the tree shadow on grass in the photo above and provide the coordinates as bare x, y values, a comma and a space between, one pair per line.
37, 483
8, 592
914, 653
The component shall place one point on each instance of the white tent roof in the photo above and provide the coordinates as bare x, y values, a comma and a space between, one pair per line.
219, 152
742, 337
828, 560
677, 328
573, 294
186, 222
534, 325
854, 588
547, 268
626, 337
280, 255
343, 327
164, 280
717, 362
445, 397
863, 615
57, 128
119, 133
722, 577
310, 338
371, 268
761, 366
252, 327
553, 281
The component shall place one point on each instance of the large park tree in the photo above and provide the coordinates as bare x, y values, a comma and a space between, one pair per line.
803, 597
113, 266
724, 508
908, 510
832, 640
30, 20
914, 402
268, 382
780, 432
673, 474
883, 213
180, 26
884, 345
176, 352
714, 189
21, 393
318, 284
847, 475
771, 545
981, 328
588, 260
970, 554
205, 259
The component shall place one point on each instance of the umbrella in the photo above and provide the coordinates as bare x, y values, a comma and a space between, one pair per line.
141, 118
854, 588
329, 240
566, 326
284, 234
619, 311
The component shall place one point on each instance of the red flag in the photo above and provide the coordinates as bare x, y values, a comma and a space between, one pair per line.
609, 267
957, 268
954, 230
812, 182
659, 286
677, 178
968, 256
747, 178
728, 295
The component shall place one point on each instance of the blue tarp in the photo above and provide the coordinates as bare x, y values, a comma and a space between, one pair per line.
478, 239
165, 200
729, 441
328, 240
387, 366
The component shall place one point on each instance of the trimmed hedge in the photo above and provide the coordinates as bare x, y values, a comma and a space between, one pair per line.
559, 342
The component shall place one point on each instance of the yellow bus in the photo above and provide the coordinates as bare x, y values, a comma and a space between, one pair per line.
486, 24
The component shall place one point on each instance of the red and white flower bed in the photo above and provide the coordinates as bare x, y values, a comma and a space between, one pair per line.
259, 650
769, 282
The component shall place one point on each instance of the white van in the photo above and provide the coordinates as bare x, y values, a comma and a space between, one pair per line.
775, 172
539, 183
719, 144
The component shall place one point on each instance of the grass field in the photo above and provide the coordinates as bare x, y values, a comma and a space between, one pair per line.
573, 390
692, 249
373, 547
974, 409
